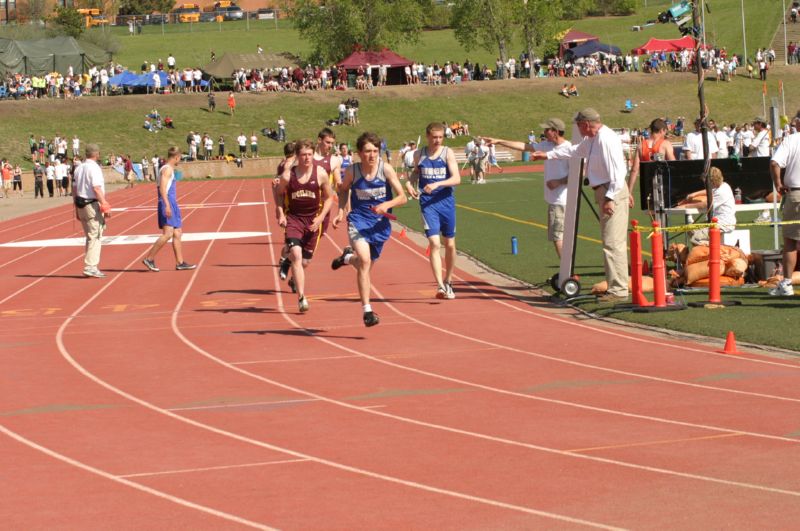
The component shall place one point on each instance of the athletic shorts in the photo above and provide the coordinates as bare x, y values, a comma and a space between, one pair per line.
7, 184
297, 229
175, 221
375, 240
555, 223
791, 212
439, 218
34, 150
242, 149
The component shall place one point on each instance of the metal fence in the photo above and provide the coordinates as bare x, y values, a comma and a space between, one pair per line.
183, 22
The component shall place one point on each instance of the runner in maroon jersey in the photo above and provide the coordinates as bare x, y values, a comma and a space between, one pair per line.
308, 196
326, 157
288, 160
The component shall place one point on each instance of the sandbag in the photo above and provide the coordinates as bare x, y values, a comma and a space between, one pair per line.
699, 270
735, 268
699, 253
723, 281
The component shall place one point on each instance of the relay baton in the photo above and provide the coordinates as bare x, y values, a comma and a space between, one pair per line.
386, 215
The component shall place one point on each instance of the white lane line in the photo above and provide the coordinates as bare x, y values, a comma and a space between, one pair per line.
510, 442
133, 239
132, 484
601, 329
588, 365
255, 362
209, 468
244, 404
333, 464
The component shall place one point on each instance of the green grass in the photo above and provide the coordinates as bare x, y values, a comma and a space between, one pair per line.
723, 25
192, 43
506, 109
487, 237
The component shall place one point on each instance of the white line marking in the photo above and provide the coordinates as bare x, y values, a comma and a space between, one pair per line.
293, 360
209, 468
131, 484
245, 404
134, 239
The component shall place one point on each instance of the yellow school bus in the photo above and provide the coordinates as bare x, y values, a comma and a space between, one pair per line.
92, 17
188, 13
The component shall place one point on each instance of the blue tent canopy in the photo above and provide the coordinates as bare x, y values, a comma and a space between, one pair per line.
123, 79
146, 80
593, 47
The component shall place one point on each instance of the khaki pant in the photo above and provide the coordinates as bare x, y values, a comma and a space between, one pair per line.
93, 223
614, 232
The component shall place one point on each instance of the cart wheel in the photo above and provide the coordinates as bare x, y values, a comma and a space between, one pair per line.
554, 283
571, 287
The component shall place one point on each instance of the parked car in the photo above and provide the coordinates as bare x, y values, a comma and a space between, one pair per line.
266, 13
208, 16
231, 12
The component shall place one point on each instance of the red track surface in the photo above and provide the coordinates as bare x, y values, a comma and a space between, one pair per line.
204, 400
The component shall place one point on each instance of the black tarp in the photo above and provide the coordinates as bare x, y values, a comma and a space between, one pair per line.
593, 47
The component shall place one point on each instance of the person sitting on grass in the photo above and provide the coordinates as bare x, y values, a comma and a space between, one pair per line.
565, 91
168, 123
572, 90
723, 206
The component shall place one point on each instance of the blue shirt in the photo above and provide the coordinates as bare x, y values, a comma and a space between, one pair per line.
433, 171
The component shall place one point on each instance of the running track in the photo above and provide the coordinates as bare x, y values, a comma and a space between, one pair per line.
203, 400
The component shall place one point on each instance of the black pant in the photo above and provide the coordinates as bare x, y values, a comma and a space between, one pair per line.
50, 187
38, 189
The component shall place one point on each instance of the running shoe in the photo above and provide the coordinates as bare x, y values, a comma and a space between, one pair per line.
286, 264
151, 265
783, 289
292, 286
183, 266
302, 304
450, 294
371, 319
339, 260
93, 272
441, 292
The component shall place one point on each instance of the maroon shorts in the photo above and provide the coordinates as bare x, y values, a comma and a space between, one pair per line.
299, 233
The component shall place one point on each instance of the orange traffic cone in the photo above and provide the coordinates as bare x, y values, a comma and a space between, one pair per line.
403, 233
645, 267
730, 344
428, 251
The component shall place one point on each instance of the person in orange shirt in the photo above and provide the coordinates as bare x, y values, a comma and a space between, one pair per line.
6, 179
231, 103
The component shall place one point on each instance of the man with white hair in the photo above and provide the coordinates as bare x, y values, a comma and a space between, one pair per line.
92, 209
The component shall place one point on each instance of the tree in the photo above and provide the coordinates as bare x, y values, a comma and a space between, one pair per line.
145, 7
68, 21
539, 22
337, 27
486, 23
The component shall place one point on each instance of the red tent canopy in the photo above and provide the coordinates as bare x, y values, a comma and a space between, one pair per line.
575, 38
665, 45
384, 57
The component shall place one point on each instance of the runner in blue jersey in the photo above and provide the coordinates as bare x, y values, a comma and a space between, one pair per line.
436, 173
169, 215
366, 192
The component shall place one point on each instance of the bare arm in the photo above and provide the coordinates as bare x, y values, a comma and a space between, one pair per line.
399, 196
344, 195
327, 198
775, 172
280, 194
518, 146
413, 178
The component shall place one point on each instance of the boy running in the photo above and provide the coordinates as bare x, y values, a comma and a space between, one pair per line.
308, 196
365, 193
436, 172
169, 215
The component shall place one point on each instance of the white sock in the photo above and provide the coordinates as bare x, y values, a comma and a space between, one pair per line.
367, 308
347, 258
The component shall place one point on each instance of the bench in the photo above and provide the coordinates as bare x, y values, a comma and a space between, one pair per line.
502, 156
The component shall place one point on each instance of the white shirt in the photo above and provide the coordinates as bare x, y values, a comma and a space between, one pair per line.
87, 176
724, 207
787, 155
722, 140
553, 170
50, 171
171, 62
408, 158
605, 159
694, 144
242, 140
747, 137
281, 124
761, 142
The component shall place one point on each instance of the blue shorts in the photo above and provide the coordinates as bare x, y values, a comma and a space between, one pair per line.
439, 218
375, 236
174, 220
